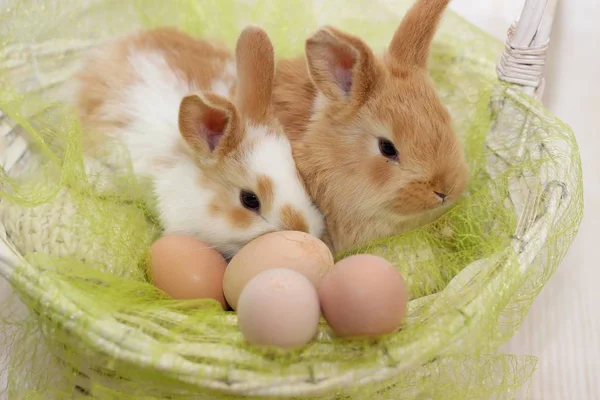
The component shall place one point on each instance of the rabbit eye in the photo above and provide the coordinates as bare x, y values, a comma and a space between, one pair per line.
250, 200
388, 149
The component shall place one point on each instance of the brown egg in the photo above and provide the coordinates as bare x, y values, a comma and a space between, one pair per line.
187, 268
287, 249
279, 307
363, 295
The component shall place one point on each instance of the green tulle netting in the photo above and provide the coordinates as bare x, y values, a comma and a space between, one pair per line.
94, 325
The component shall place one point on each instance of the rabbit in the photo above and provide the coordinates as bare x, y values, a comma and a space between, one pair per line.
221, 170
370, 136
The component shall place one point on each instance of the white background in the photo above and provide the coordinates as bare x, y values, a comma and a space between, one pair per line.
563, 326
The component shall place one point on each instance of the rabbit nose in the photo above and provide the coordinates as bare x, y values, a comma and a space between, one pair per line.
441, 196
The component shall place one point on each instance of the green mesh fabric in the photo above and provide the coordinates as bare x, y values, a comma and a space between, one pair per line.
93, 326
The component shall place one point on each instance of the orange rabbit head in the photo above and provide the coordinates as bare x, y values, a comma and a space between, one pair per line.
379, 148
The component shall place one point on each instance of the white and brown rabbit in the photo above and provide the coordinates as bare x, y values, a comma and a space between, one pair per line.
221, 170
369, 134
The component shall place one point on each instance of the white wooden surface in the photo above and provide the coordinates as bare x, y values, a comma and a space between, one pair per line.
563, 326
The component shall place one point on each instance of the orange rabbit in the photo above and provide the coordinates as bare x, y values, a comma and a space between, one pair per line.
370, 136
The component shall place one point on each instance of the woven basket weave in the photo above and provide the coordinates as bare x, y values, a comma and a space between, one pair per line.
540, 203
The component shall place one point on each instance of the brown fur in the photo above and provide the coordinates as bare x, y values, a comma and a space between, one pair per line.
266, 192
293, 97
363, 194
293, 219
411, 41
240, 218
255, 80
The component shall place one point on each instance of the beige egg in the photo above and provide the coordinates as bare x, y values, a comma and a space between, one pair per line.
363, 295
187, 268
287, 249
279, 307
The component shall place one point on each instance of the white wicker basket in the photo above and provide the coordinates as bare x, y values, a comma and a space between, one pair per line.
521, 64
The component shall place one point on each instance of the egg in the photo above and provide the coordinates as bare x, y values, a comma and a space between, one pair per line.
363, 295
295, 250
279, 307
187, 268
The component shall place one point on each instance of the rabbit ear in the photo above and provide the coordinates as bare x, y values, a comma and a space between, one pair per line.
209, 123
411, 41
255, 70
341, 66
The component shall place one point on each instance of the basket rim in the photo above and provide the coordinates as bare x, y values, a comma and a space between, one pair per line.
123, 343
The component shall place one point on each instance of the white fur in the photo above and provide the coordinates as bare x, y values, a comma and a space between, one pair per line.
152, 103
183, 203
272, 156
